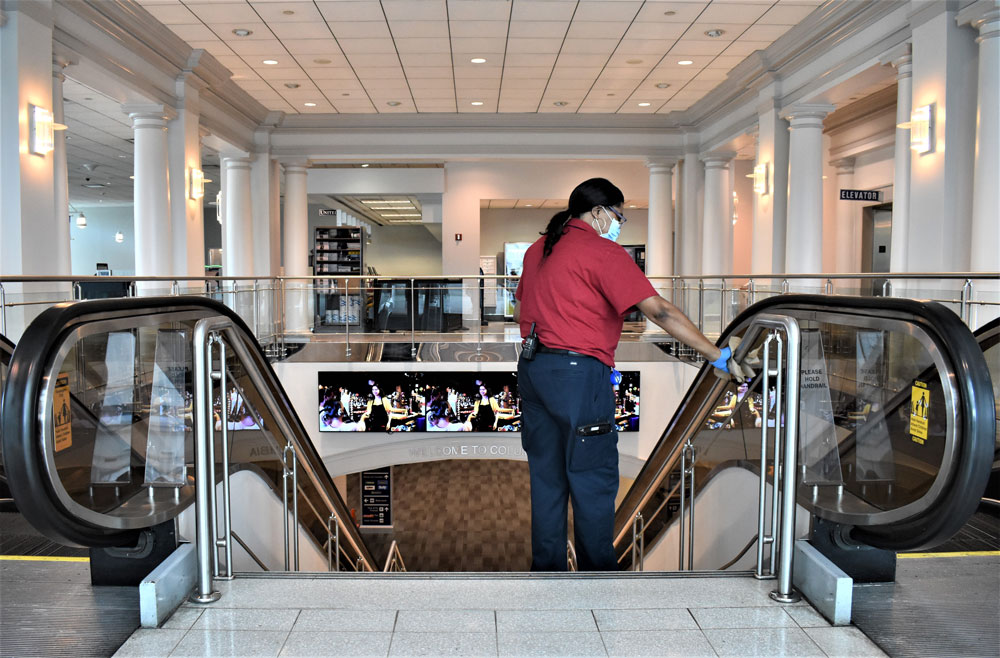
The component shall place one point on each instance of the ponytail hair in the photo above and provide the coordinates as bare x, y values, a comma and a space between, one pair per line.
586, 195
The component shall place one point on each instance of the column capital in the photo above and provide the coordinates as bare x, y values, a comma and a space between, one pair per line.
661, 165
805, 115
900, 58
58, 64
843, 165
295, 166
148, 115
236, 162
717, 159
984, 16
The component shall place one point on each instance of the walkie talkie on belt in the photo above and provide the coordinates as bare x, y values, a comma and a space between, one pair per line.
529, 345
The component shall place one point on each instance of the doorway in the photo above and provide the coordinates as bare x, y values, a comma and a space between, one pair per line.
876, 245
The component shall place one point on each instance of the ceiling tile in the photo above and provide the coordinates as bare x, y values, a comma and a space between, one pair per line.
527, 72
367, 46
295, 31
527, 10
539, 29
633, 61
577, 61
355, 107
522, 83
277, 12
596, 30
331, 73
194, 32
426, 60
516, 59
655, 31
432, 83
589, 46
679, 12
282, 74
350, 11
683, 47
417, 46
435, 106
764, 32
414, 10
476, 29
418, 29
365, 74
579, 84
319, 47
432, 72
630, 73
482, 46
598, 10
533, 45
646, 46
262, 47
725, 62
735, 12
786, 15
172, 14
360, 29
224, 12
433, 94
472, 10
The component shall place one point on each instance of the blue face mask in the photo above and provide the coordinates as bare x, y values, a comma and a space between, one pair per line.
614, 228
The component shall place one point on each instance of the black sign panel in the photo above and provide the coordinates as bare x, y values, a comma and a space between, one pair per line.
860, 195
324, 212
376, 497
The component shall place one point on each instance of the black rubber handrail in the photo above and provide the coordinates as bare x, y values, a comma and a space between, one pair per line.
32, 361
974, 406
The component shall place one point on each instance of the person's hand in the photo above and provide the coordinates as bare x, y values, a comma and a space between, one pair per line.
726, 367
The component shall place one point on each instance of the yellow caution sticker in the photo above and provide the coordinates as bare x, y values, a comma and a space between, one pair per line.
920, 402
62, 414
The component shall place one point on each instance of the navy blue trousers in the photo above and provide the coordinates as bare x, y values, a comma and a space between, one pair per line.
558, 394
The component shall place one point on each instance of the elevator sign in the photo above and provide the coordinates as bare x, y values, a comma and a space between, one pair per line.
860, 195
376, 498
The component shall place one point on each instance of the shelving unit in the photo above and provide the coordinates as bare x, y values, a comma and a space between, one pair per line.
338, 251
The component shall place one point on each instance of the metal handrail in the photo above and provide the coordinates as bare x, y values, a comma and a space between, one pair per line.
571, 560
394, 561
253, 556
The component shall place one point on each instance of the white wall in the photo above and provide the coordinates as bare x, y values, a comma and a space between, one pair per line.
499, 225
96, 243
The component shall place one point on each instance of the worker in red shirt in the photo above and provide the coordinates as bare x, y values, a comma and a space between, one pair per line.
575, 289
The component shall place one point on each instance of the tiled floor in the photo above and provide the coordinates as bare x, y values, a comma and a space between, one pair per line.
497, 616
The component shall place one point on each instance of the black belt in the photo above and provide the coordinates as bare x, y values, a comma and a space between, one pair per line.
553, 350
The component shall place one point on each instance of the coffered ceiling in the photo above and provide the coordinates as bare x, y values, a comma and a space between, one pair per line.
407, 56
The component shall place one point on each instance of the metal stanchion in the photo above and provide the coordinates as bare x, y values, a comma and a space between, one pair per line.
413, 319
785, 593
203, 485
227, 521
638, 541
681, 510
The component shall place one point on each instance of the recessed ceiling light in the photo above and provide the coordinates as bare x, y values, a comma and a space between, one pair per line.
611, 93
288, 12
685, 62
644, 104
292, 85
242, 32
346, 94
393, 103
88, 98
365, 165
669, 13
527, 205
478, 60
633, 61
662, 85
322, 61
714, 33
560, 103
310, 104
477, 103
270, 62
632, 206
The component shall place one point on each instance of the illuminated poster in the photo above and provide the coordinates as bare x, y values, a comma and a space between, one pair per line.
376, 498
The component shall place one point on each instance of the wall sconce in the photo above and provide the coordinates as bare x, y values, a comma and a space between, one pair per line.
119, 237
196, 184
41, 135
81, 221
760, 179
921, 127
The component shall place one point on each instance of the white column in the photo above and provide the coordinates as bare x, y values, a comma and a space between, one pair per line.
903, 61
770, 207
260, 193
660, 220
985, 256
804, 230
237, 251
848, 236
274, 182
153, 253
296, 249
717, 226
187, 215
690, 250
61, 258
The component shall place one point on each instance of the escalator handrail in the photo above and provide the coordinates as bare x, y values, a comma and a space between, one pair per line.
30, 367
959, 349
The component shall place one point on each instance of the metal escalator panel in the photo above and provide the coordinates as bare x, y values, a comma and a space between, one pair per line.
6, 351
895, 424
100, 417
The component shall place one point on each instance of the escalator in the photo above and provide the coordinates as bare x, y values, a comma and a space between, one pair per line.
100, 419
869, 470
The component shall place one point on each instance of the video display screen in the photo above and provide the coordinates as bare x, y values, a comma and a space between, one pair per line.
439, 402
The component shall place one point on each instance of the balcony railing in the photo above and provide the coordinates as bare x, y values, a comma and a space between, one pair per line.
470, 309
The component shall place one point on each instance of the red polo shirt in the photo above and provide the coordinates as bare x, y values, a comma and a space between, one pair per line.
578, 295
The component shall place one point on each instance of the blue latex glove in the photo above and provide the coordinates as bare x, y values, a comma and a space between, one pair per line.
616, 377
722, 363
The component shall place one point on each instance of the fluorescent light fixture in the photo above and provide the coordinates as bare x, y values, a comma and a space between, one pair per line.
369, 202
400, 215
41, 138
391, 207
196, 187
921, 127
